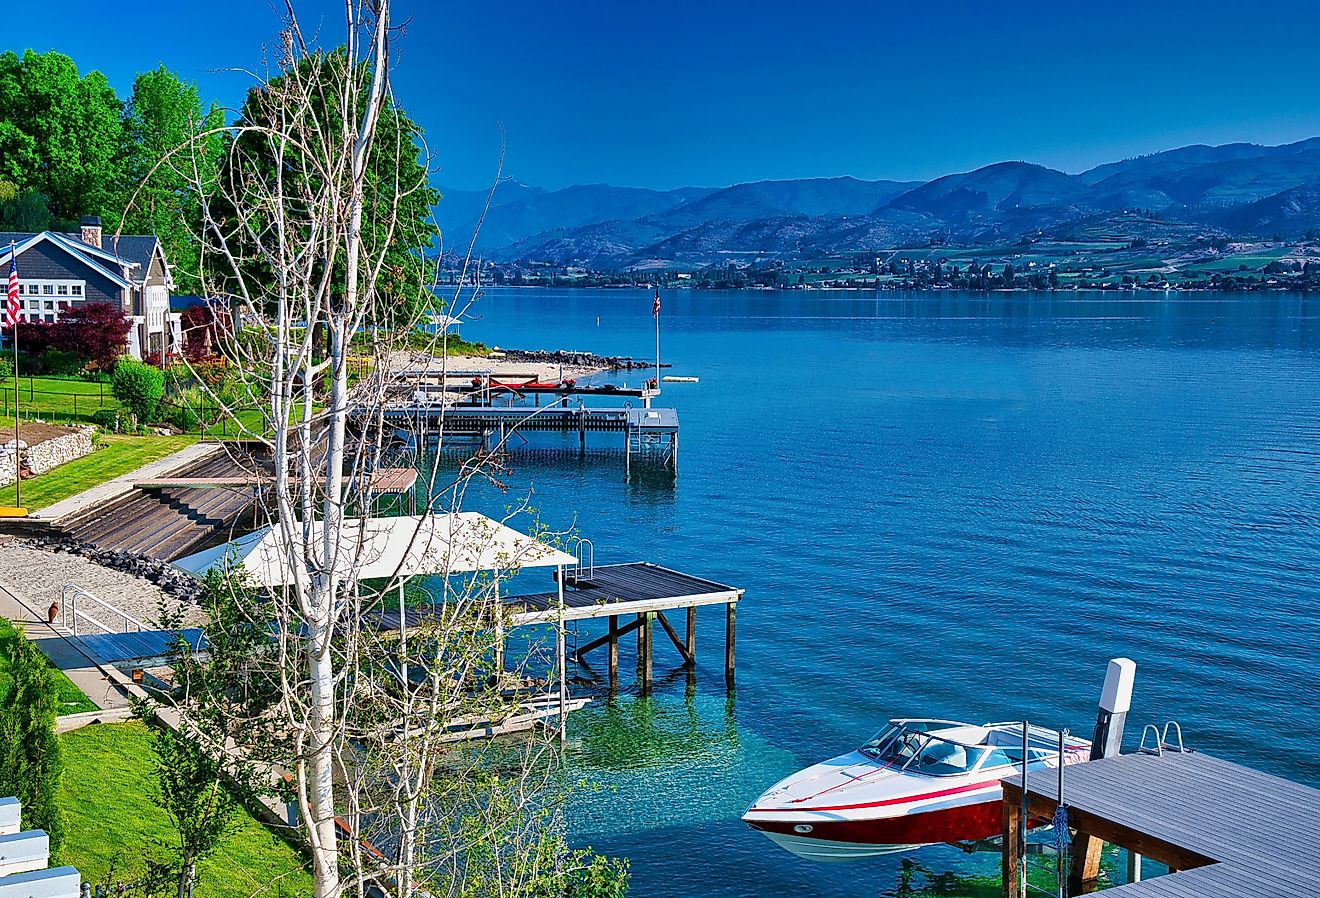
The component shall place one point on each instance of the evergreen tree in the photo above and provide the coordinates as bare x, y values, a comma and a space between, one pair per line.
30, 763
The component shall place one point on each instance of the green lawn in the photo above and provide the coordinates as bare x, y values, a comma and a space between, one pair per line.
57, 399
72, 700
120, 455
111, 822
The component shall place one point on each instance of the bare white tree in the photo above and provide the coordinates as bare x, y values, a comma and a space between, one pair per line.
317, 674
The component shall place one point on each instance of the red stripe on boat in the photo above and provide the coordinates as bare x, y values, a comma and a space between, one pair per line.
878, 804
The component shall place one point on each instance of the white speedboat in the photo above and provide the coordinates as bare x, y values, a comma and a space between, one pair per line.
918, 782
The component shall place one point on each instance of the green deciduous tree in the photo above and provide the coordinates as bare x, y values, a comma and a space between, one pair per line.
396, 222
30, 762
174, 144
189, 788
62, 135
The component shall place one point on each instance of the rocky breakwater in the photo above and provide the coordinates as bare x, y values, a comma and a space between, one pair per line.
170, 580
571, 359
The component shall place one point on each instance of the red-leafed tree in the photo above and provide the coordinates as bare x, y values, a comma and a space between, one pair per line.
95, 331
202, 331
36, 337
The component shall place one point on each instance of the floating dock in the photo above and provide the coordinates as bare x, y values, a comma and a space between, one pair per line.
1223, 830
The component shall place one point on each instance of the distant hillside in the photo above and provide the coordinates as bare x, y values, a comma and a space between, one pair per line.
1189, 194
997, 188
518, 212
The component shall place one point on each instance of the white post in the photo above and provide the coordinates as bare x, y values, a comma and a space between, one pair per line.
563, 662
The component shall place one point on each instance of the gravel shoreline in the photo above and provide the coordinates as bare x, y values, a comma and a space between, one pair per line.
38, 570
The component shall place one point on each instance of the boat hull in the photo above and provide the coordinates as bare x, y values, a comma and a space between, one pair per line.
845, 840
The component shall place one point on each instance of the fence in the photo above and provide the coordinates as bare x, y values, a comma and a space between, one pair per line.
50, 405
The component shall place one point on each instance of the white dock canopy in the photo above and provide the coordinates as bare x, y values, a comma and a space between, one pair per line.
383, 547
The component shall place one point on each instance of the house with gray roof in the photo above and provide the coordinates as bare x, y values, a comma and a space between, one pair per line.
58, 271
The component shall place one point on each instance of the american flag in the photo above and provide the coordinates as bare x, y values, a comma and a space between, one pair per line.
655, 306
11, 305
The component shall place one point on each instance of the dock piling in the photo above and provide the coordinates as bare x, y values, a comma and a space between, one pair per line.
691, 636
614, 651
644, 646
730, 628
1107, 742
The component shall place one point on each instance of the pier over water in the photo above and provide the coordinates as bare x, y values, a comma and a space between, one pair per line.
1223, 830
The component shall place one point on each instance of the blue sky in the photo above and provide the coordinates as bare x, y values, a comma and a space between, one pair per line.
712, 93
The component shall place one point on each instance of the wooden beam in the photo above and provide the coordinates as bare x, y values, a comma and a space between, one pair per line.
730, 629
1010, 860
691, 640
605, 609
613, 638
673, 637
615, 632
645, 647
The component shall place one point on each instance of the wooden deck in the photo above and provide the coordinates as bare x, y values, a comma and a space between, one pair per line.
611, 589
143, 648
1230, 831
640, 590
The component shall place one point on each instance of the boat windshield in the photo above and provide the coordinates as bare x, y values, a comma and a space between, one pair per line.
908, 749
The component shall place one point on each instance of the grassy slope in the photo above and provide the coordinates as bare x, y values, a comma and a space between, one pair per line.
121, 455
72, 700
57, 399
111, 820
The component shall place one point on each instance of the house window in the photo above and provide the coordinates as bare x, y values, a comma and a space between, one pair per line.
62, 289
48, 289
33, 288
76, 289
50, 305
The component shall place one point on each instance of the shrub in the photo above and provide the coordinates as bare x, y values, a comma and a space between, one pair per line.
111, 419
61, 363
6, 368
30, 364
139, 386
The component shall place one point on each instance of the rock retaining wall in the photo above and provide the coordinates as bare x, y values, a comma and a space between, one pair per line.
52, 453
49, 453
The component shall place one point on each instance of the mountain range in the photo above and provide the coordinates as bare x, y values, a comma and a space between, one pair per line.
1235, 190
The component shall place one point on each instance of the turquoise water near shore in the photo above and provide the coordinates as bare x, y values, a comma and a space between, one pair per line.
954, 505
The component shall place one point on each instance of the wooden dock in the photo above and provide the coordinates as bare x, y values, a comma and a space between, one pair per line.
647, 432
1229, 831
639, 590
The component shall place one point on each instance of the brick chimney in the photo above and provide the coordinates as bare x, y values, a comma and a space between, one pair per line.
91, 230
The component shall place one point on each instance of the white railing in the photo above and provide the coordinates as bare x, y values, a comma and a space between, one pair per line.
586, 553
71, 615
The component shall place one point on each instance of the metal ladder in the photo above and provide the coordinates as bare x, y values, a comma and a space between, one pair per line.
1161, 739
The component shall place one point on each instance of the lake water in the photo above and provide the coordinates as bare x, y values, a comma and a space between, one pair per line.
949, 505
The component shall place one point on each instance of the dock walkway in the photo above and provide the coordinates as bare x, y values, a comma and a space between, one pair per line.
641, 590
1230, 831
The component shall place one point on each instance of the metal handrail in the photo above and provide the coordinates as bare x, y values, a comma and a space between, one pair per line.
1164, 737
586, 569
70, 615
1159, 742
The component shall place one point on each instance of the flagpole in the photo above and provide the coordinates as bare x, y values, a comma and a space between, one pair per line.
657, 340
18, 479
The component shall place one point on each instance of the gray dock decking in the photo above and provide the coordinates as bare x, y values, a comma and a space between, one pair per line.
1231, 831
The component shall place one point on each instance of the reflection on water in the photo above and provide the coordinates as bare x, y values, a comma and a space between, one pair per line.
664, 760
